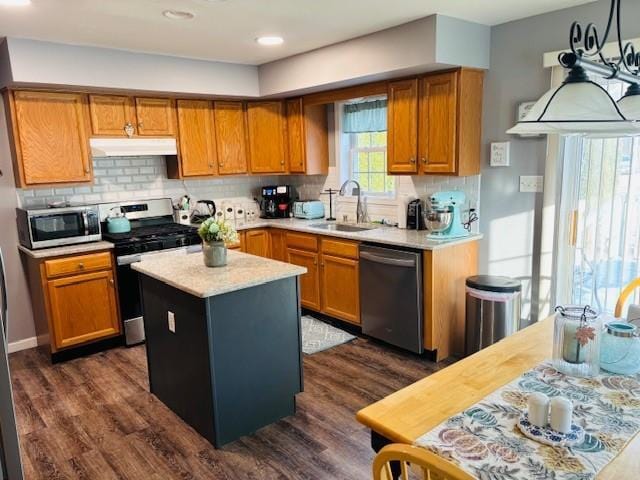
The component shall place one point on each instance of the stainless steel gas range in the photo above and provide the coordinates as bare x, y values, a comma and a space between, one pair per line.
152, 230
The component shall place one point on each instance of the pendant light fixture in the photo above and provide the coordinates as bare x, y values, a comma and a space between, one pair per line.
580, 106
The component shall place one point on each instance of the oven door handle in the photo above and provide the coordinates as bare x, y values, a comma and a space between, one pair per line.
129, 259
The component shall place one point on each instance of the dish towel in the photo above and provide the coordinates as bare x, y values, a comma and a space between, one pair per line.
485, 441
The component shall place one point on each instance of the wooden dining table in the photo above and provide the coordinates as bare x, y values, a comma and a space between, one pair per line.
407, 414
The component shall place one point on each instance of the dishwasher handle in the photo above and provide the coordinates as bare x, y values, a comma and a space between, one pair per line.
396, 262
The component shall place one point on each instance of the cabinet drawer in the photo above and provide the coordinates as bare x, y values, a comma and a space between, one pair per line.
340, 248
303, 241
77, 264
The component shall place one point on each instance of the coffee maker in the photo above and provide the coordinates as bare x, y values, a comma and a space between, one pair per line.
276, 202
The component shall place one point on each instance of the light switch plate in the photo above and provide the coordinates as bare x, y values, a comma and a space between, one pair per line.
531, 183
500, 154
171, 320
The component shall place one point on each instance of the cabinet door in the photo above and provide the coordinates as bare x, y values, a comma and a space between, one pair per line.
83, 308
51, 137
265, 122
231, 137
402, 127
296, 135
278, 245
110, 114
197, 146
256, 242
310, 281
340, 282
156, 117
437, 121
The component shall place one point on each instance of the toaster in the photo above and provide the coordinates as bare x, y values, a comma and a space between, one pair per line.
308, 209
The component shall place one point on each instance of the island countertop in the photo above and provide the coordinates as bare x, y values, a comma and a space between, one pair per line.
187, 272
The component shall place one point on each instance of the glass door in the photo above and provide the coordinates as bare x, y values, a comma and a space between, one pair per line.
599, 219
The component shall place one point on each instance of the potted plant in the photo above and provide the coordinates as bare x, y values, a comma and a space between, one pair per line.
216, 234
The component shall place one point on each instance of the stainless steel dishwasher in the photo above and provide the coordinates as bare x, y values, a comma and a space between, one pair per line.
391, 295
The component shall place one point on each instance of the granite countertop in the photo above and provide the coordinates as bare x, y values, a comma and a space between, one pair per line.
67, 249
187, 272
380, 234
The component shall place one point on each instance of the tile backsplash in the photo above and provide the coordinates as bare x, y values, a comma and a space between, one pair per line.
133, 178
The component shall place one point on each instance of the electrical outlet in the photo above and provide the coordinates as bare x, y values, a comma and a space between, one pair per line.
171, 320
531, 183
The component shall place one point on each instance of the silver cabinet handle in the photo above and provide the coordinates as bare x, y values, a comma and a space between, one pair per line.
412, 160
424, 160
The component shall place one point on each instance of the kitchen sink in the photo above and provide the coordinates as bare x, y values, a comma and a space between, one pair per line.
340, 227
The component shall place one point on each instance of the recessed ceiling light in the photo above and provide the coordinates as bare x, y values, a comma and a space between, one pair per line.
15, 3
270, 40
177, 14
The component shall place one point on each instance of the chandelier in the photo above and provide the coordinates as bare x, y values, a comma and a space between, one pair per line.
580, 106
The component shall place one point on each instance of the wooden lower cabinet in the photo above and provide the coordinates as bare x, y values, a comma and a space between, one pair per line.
340, 287
83, 308
279, 245
74, 299
256, 242
310, 281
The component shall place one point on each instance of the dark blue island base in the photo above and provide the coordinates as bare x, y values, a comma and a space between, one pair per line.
234, 363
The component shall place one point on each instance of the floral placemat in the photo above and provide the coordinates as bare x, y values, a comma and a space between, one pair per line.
485, 441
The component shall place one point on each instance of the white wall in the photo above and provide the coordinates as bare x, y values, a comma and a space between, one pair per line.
423, 45
20, 325
36, 62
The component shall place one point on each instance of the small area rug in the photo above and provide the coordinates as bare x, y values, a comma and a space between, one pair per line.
318, 336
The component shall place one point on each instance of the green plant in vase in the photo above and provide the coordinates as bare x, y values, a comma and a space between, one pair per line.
216, 234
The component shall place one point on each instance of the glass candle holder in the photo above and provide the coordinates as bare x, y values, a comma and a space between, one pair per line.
620, 348
576, 341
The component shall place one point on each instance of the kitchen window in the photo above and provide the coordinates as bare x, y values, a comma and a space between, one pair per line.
363, 127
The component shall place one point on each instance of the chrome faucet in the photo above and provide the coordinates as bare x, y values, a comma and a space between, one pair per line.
361, 208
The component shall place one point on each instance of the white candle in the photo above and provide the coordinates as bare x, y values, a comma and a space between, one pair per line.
538, 404
561, 414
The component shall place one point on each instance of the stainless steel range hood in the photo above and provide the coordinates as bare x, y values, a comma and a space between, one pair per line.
132, 147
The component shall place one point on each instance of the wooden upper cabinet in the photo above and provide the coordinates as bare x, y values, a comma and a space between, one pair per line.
296, 136
156, 117
450, 120
266, 132
438, 129
196, 134
308, 138
231, 137
112, 115
50, 137
402, 133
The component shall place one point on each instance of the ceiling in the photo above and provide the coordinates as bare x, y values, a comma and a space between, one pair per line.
225, 30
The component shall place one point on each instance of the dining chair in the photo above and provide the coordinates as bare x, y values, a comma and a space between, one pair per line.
395, 461
624, 295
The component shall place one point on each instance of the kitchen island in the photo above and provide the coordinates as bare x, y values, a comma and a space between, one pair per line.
223, 344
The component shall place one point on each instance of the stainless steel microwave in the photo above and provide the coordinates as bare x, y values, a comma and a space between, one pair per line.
53, 227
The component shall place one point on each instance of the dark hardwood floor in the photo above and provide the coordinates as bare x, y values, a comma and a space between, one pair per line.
93, 418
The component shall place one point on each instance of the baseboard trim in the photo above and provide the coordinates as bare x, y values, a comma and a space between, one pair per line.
23, 344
